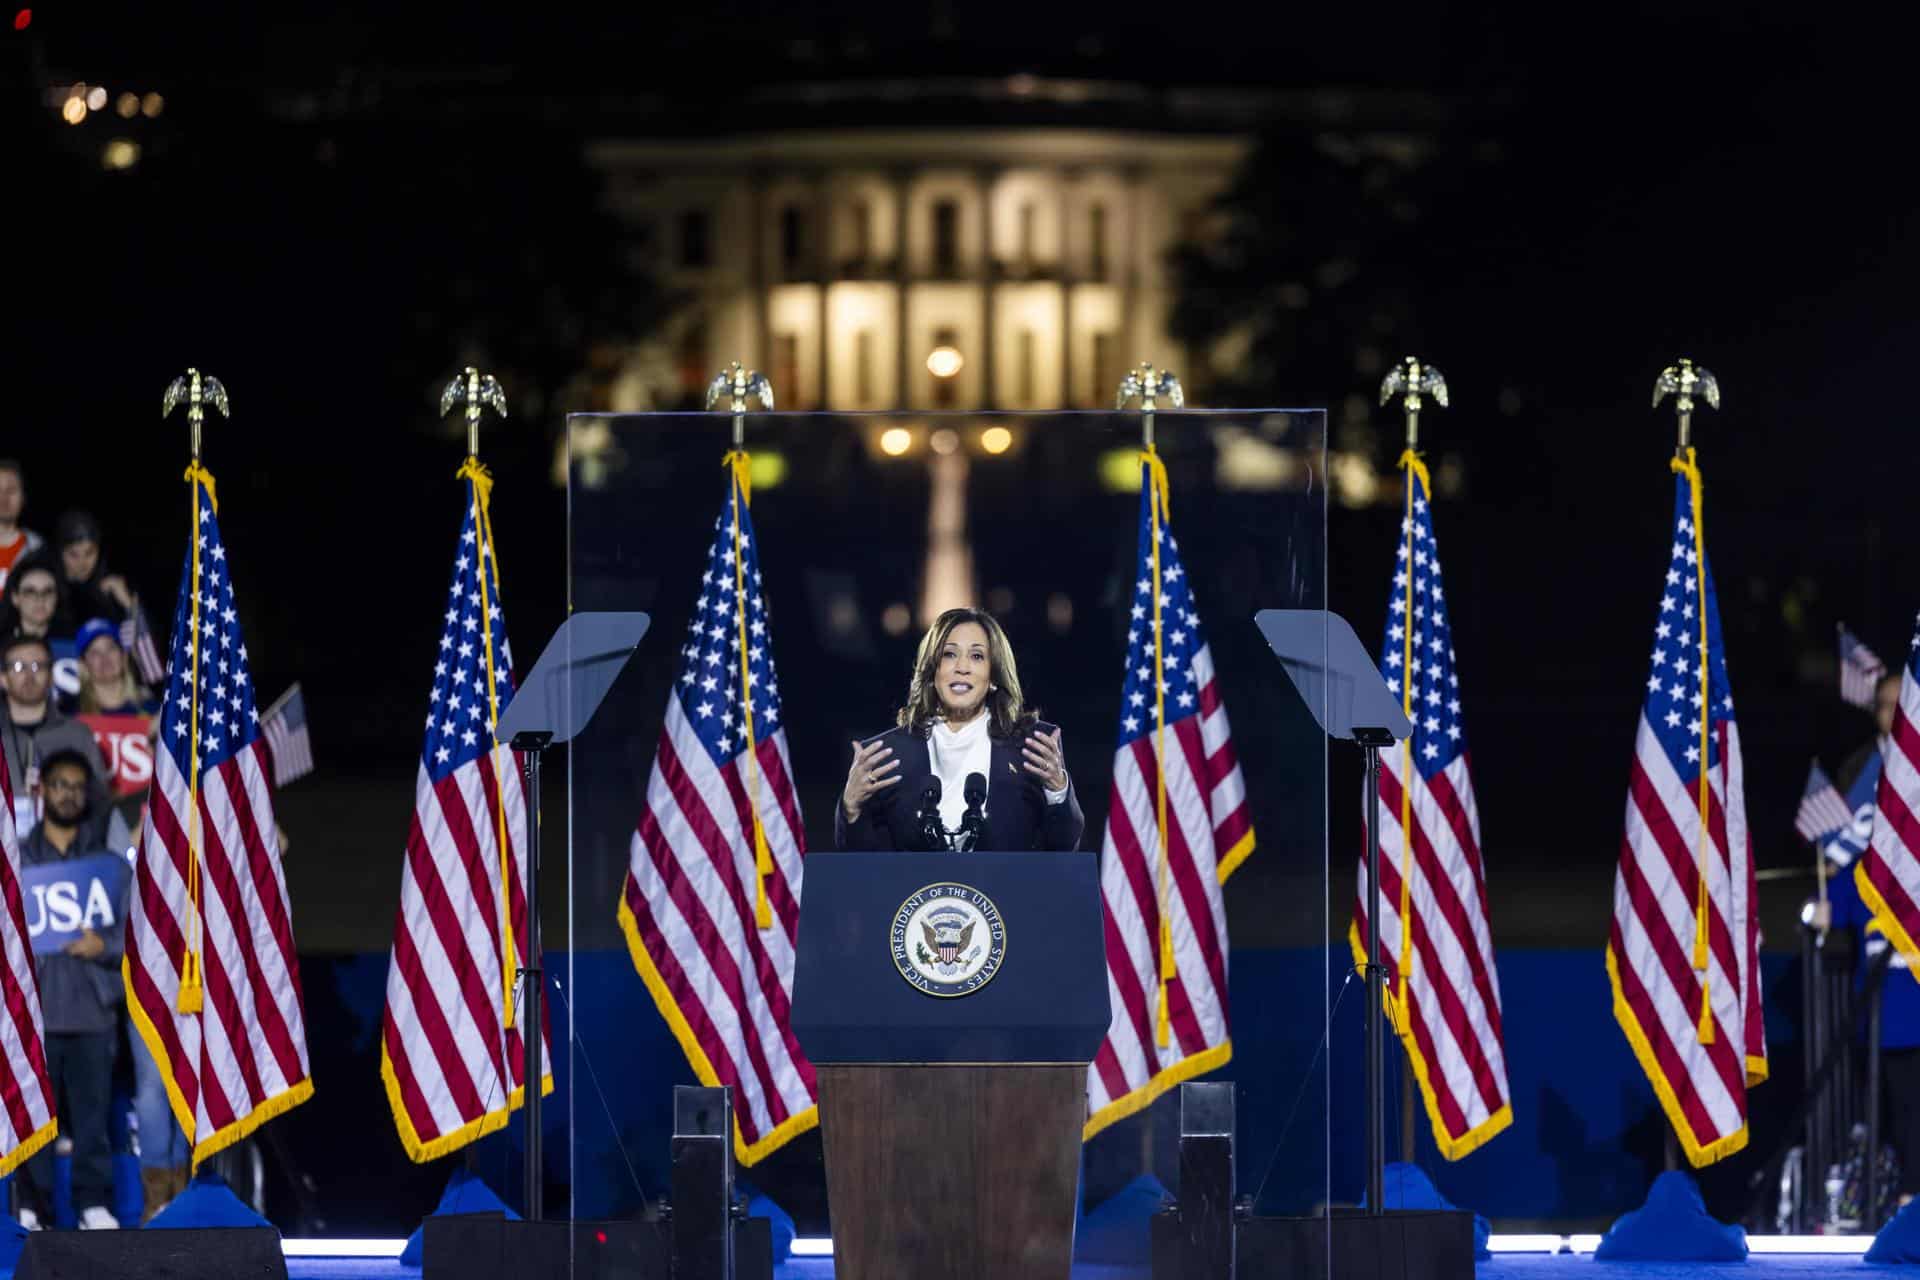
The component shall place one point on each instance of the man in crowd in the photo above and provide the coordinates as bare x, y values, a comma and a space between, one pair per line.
32, 731
15, 541
80, 997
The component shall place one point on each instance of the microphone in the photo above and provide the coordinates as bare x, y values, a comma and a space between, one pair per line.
932, 832
973, 823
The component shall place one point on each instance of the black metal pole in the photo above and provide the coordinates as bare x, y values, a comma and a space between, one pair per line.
1870, 1211
1376, 997
530, 745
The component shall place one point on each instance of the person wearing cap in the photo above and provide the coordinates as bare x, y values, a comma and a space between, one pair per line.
91, 591
107, 683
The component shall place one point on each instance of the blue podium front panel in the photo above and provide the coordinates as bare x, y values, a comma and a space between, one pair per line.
1018, 937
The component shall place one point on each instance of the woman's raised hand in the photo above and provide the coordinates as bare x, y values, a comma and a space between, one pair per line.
869, 774
1046, 759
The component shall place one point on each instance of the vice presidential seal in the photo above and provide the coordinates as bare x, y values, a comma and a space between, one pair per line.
948, 939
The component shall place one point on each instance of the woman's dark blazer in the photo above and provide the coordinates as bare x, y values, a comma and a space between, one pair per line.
1018, 815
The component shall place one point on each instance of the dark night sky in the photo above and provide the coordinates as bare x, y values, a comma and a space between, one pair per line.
1678, 181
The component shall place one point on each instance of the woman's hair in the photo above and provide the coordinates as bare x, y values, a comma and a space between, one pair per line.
92, 701
1006, 709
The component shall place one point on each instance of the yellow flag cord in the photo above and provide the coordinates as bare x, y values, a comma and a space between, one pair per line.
192, 994
1415, 469
1690, 468
739, 464
480, 483
1159, 508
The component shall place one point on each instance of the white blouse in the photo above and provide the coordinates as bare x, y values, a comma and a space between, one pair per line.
955, 753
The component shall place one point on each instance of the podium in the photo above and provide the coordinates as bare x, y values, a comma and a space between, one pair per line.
950, 1004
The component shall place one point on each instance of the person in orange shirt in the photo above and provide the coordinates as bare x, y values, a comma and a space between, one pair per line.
15, 540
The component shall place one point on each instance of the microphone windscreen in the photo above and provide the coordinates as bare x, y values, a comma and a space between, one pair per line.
976, 790
931, 798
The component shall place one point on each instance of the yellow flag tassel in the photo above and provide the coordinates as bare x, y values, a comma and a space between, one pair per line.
739, 464
482, 498
1398, 1007
1690, 468
191, 997
1158, 508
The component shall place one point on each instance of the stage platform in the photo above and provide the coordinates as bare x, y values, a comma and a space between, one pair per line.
307, 1261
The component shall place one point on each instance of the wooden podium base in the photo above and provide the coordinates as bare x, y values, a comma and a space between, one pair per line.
942, 1172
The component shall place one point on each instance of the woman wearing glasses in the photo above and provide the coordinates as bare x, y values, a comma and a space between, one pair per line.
33, 600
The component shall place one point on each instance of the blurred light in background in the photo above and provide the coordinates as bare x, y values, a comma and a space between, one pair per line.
128, 105
1000, 600
1242, 460
23, 19
896, 618
895, 441
1354, 481
96, 99
152, 105
996, 439
121, 153
1060, 612
1120, 471
944, 441
767, 469
74, 110
944, 362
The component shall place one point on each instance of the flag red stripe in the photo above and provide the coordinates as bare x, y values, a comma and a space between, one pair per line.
440, 1038
721, 856
1683, 860
693, 909
1672, 1069
482, 1005
1137, 1005
1678, 970
1186, 875
667, 962
266, 890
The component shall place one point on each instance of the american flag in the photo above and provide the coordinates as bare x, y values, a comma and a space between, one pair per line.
213, 983
1683, 953
136, 637
711, 903
1822, 810
285, 724
27, 1121
1446, 999
451, 1046
1164, 914
1860, 669
1888, 873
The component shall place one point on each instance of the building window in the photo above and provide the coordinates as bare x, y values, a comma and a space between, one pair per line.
863, 368
696, 249
786, 368
1028, 216
946, 238
1097, 242
1029, 396
793, 241
1106, 378
692, 357
862, 228
945, 394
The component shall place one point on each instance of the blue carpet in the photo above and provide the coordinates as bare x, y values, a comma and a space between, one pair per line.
1508, 1267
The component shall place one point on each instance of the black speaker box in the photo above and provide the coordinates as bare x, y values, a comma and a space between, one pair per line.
489, 1246
1397, 1245
186, 1253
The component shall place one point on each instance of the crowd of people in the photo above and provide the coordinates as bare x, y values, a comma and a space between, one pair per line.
76, 728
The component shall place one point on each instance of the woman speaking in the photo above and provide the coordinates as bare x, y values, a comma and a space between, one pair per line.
967, 766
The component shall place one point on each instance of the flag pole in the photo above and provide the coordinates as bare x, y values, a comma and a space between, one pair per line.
477, 392
1412, 381
1147, 385
739, 384
196, 390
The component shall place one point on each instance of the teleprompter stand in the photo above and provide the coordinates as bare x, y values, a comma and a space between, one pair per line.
1201, 1237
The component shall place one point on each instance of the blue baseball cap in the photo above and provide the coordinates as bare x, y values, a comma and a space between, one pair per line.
92, 629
